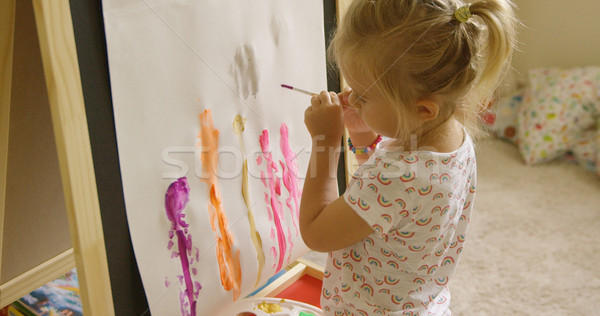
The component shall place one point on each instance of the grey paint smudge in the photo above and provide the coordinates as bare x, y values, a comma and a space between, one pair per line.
279, 30
245, 71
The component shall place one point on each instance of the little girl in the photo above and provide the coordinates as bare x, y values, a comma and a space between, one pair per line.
418, 71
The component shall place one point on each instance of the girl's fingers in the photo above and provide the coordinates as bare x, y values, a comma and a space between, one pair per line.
334, 98
325, 97
315, 100
307, 113
343, 96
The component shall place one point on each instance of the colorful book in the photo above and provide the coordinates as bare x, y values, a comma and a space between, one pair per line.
59, 297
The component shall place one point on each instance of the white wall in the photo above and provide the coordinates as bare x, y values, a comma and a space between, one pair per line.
562, 33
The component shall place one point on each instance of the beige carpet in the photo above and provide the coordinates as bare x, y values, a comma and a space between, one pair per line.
534, 242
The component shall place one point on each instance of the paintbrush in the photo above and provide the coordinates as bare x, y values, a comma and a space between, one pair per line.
299, 90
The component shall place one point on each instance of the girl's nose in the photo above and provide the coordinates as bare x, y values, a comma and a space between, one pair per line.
353, 100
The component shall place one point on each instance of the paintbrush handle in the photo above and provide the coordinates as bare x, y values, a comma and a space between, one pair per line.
299, 90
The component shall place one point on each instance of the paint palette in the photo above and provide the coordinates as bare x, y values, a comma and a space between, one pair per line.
271, 306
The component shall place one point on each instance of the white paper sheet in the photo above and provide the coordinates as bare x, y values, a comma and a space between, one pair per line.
170, 60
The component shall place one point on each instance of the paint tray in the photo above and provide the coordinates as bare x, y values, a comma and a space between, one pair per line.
251, 306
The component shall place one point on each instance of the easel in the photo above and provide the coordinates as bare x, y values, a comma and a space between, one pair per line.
85, 186
62, 78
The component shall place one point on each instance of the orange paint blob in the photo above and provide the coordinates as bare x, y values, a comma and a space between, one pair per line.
228, 259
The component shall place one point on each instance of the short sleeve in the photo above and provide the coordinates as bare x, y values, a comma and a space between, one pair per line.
376, 195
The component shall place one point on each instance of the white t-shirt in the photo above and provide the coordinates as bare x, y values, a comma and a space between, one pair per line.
418, 204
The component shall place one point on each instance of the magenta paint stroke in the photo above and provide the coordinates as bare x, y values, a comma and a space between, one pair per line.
176, 199
274, 206
290, 175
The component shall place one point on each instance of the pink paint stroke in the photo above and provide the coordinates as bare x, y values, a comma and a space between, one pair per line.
176, 199
291, 241
290, 175
272, 184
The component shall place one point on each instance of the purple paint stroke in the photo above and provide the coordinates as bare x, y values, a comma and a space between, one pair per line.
176, 199
274, 188
290, 175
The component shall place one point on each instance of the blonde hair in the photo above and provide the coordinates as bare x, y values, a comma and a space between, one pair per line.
417, 49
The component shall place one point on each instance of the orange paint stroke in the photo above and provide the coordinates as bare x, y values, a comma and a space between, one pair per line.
227, 258
238, 128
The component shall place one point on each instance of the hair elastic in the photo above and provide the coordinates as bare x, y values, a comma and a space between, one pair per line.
463, 14
366, 149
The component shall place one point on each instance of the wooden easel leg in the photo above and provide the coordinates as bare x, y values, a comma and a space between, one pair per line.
61, 70
7, 31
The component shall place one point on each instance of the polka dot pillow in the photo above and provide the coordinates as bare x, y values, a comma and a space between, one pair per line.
501, 118
586, 150
558, 106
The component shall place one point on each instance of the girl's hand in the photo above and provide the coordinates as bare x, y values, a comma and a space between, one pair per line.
324, 118
353, 122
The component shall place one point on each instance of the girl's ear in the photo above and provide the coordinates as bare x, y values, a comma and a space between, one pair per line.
427, 110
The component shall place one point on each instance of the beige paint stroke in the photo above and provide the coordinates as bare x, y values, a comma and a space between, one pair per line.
238, 128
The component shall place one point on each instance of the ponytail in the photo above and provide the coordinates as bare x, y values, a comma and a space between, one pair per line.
496, 46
